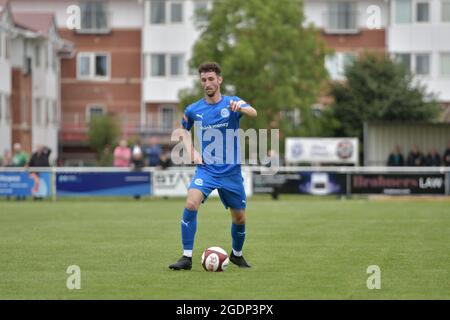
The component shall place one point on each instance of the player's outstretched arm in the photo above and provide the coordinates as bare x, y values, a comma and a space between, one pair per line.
247, 110
195, 157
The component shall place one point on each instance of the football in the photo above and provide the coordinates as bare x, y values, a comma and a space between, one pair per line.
215, 259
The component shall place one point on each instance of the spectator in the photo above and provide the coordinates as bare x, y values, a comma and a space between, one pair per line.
153, 153
433, 159
396, 158
415, 157
40, 158
446, 158
20, 157
6, 161
164, 160
122, 154
137, 156
106, 159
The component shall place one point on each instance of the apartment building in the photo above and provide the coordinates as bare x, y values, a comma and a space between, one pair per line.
130, 57
103, 76
349, 28
30, 49
419, 37
167, 39
6, 31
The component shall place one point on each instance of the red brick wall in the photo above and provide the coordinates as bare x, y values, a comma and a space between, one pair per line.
365, 40
121, 94
21, 103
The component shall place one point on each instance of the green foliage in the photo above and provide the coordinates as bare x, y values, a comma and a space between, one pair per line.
268, 58
377, 88
103, 130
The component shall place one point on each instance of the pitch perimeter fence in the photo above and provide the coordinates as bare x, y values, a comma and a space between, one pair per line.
56, 182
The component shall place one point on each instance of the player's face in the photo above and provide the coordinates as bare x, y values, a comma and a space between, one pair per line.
210, 82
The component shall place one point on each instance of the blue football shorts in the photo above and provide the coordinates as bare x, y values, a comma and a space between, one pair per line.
231, 188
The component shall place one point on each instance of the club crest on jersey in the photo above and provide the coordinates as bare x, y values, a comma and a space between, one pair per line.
198, 182
225, 113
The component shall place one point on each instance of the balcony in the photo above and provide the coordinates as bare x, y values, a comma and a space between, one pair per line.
95, 22
74, 126
341, 22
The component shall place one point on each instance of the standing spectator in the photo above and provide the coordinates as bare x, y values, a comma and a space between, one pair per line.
20, 157
6, 161
446, 157
40, 158
395, 158
433, 158
137, 156
164, 160
415, 157
122, 154
137, 159
153, 153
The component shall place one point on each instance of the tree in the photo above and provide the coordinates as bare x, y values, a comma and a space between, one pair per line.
378, 88
103, 131
268, 58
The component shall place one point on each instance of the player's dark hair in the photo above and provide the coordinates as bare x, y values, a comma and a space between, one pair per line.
210, 67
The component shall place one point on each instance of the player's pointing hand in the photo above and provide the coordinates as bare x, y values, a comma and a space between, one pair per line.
236, 105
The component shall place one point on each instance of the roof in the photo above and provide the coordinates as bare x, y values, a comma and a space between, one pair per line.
3, 4
38, 22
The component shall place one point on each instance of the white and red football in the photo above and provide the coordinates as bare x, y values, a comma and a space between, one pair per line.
215, 259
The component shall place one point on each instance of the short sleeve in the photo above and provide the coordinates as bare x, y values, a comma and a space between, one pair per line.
186, 121
236, 98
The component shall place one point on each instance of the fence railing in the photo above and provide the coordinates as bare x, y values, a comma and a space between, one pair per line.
340, 181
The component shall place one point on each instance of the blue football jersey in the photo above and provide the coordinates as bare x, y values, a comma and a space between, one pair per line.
216, 128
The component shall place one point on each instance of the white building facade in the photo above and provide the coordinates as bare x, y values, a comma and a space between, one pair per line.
419, 36
6, 31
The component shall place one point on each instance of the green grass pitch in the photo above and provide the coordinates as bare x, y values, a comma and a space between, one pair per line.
300, 248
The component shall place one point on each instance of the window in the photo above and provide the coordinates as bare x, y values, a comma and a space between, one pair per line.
37, 56
55, 113
423, 64
166, 11
167, 114
176, 12
93, 17
93, 66
84, 65
45, 56
37, 111
101, 68
337, 63
1, 44
176, 65
94, 111
445, 10
405, 59
161, 65
200, 9
423, 13
7, 108
54, 60
158, 65
403, 11
157, 11
445, 64
291, 116
342, 16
